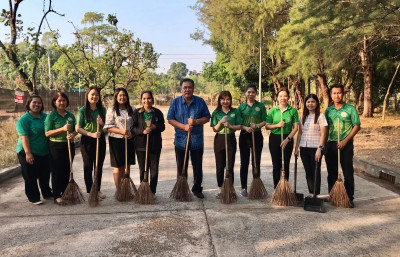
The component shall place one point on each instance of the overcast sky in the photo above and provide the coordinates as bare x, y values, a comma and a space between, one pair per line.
166, 24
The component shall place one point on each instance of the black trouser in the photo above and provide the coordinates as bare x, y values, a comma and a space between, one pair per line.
346, 162
196, 156
245, 145
153, 160
307, 155
88, 151
60, 168
40, 169
220, 156
276, 156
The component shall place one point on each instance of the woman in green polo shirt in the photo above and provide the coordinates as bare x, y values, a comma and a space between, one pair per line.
56, 128
86, 124
290, 126
33, 151
253, 116
224, 118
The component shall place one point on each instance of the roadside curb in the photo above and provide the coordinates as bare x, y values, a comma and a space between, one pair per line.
375, 170
10, 172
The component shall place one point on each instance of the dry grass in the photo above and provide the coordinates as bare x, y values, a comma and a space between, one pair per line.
8, 142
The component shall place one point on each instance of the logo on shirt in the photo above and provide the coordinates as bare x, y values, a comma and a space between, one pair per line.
232, 115
288, 119
257, 109
343, 114
70, 119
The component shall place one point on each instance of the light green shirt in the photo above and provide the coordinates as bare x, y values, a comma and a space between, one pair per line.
255, 113
233, 119
55, 121
290, 117
348, 119
88, 126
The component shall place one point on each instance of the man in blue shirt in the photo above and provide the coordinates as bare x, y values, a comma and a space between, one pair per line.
189, 113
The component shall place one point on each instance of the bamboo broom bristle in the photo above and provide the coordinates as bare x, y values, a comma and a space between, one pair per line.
126, 190
338, 195
257, 190
145, 196
228, 193
283, 194
72, 194
93, 199
181, 191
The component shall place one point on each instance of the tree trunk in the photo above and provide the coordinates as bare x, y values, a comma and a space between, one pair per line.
324, 89
388, 92
367, 72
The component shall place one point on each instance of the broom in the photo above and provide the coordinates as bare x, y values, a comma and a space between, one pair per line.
257, 188
72, 194
94, 192
338, 195
145, 196
283, 194
126, 190
228, 193
181, 191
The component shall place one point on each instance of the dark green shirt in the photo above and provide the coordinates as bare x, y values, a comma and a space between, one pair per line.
29, 125
88, 126
256, 114
290, 117
55, 121
233, 119
348, 119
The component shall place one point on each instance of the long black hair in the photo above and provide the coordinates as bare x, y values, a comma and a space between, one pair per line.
99, 105
222, 95
306, 112
127, 103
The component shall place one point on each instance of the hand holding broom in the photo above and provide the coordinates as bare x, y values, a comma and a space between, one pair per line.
338, 195
72, 194
94, 192
228, 193
257, 188
283, 194
126, 190
145, 196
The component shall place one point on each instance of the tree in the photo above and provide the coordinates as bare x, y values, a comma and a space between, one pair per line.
176, 72
11, 19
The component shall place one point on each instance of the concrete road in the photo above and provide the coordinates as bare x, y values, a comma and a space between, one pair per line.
201, 227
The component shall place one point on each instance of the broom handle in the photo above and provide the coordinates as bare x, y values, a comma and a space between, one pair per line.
226, 153
145, 164
186, 151
69, 152
338, 150
254, 148
126, 150
97, 150
283, 156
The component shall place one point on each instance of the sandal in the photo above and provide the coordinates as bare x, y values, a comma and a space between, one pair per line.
102, 196
61, 203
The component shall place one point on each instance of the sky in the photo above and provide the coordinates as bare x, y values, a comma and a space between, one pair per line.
167, 24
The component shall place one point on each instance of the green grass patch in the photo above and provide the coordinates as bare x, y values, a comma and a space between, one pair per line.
8, 143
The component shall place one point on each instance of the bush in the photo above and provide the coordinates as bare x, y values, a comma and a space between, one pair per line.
8, 143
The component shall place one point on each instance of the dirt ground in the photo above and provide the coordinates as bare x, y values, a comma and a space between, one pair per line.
378, 141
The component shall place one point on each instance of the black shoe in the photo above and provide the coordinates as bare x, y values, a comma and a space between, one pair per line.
351, 204
199, 195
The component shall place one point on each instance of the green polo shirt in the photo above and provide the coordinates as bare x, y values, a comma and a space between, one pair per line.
290, 117
29, 125
88, 126
55, 121
233, 119
256, 114
348, 119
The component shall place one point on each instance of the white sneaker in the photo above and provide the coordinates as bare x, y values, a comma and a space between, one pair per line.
243, 192
37, 202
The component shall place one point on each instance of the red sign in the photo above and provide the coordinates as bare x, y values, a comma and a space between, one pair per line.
19, 97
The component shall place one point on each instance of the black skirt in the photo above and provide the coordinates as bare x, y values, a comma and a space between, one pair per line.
117, 151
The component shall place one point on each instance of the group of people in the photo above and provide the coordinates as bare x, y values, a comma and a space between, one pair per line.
317, 134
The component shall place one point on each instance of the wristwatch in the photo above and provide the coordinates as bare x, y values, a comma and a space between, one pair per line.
290, 139
321, 147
